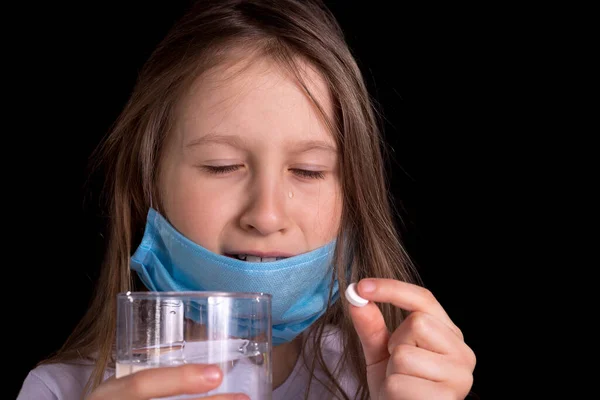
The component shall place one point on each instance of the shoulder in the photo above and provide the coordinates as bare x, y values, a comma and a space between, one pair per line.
60, 381
331, 340
332, 348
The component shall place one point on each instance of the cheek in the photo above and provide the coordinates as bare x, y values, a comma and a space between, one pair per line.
321, 214
199, 214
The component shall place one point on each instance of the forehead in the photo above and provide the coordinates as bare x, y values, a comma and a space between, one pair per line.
257, 96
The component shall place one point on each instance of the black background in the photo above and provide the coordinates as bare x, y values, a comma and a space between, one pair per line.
436, 71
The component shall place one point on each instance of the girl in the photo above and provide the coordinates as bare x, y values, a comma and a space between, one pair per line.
251, 133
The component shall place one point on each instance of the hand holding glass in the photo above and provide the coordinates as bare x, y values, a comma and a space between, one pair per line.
230, 330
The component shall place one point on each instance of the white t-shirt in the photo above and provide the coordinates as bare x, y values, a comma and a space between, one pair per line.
66, 381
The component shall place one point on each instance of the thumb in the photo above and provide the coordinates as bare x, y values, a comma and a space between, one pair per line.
374, 336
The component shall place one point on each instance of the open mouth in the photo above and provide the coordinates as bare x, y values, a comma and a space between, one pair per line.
251, 258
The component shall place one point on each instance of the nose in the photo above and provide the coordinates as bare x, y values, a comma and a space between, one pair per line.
266, 210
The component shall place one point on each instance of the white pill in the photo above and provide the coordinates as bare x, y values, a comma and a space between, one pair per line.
354, 298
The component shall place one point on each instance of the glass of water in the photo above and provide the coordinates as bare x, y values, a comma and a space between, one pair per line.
230, 330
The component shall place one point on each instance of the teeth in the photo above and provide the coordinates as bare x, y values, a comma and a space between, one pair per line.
249, 258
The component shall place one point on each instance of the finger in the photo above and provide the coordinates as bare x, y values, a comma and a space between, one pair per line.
374, 335
421, 363
405, 295
228, 396
407, 387
162, 382
372, 332
425, 331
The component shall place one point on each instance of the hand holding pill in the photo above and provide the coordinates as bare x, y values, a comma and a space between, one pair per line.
423, 357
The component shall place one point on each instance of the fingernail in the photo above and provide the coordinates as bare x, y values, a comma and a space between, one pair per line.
212, 374
367, 286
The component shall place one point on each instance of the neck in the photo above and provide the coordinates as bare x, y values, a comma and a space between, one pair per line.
285, 357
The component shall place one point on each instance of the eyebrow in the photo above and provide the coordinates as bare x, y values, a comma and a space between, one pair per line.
216, 138
307, 145
238, 142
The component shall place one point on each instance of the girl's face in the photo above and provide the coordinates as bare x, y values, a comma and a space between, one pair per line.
250, 168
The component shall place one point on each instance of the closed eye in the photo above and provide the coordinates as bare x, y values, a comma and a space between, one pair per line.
305, 173
224, 169
221, 169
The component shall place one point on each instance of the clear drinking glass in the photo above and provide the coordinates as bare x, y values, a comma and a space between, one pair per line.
231, 330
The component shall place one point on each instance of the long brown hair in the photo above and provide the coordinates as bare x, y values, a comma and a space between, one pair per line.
285, 30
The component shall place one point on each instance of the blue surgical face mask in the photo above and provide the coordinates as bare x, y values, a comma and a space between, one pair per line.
168, 261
